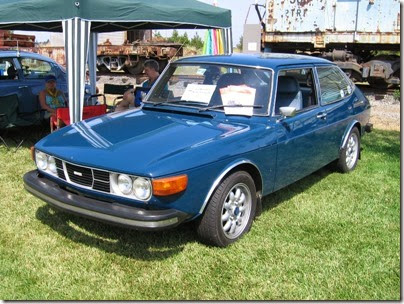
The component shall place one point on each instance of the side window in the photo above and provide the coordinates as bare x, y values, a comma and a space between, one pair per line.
334, 85
34, 68
7, 69
295, 89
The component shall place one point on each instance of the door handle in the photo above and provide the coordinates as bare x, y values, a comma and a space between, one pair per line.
322, 115
23, 87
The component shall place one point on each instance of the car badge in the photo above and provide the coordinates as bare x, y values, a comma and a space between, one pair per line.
77, 173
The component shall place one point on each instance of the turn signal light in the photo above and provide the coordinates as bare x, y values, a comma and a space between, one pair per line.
170, 185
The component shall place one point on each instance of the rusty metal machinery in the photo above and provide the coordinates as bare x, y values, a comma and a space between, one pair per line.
130, 57
350, 33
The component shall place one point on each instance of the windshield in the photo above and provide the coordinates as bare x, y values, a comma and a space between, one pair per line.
232, 89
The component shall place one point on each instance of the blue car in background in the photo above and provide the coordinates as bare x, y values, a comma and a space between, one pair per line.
215, 135
23, 73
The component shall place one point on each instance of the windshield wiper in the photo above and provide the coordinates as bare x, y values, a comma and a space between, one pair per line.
167, 102
231, 106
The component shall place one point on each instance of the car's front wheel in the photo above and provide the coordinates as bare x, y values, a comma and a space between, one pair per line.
230, 211
350, 152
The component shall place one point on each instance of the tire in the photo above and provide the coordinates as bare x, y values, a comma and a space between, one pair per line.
135, 69
230, 211
350, 152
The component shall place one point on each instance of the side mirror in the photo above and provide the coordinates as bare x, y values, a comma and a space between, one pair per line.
287, 111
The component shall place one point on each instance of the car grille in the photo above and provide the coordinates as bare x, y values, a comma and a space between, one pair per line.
83, 176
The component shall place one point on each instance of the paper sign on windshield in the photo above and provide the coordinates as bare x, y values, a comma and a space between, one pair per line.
199, 92
238, 95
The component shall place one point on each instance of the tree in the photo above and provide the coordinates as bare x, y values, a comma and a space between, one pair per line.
239, 46
196, 42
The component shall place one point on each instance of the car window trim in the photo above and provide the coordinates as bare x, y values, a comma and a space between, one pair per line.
342, 98
295, 67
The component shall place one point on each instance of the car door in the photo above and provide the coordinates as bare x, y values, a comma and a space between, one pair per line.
10, 85
34, 71
336, 99
300, 137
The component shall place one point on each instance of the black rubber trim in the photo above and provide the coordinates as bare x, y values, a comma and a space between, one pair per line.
113, 213
369, 127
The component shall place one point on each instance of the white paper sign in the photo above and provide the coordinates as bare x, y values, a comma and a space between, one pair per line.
199, 92
238, 95
252, 46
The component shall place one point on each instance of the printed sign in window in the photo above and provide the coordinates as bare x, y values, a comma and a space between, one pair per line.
199, 92
243, 96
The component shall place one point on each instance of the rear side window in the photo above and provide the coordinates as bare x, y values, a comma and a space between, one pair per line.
334, 85
7, 69
35, 68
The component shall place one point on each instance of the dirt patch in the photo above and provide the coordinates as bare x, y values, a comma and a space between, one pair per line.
385, 112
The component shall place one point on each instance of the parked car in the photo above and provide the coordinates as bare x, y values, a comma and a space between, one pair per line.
23, 73
215, 135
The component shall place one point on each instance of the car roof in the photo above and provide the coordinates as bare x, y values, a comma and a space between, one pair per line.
4, 54
266, 60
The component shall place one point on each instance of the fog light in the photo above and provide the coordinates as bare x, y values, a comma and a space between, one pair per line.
125, 184
142, 188
41, 160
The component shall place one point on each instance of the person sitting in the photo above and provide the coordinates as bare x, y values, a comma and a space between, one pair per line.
151, 69
51, 98
11, 73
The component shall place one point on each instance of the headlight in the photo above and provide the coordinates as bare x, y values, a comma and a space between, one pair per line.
134, 187
125, 184
52, 164
142, 188
41, 160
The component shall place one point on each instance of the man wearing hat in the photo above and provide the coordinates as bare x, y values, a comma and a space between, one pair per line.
51, 98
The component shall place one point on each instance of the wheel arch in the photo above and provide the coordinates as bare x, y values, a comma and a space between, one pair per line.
353, 124
241, 165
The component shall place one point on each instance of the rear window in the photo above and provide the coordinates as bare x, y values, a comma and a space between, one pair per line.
334, 85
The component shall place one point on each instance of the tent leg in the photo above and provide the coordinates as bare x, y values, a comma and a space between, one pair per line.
92, 62
77, 34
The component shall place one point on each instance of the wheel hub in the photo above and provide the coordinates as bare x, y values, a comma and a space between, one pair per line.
236, 211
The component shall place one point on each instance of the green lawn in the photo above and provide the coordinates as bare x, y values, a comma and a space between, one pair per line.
328, 236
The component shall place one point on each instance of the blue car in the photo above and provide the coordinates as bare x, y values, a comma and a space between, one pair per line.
23, 73
215, 134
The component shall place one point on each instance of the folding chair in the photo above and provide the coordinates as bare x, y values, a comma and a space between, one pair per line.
111, 89
10, 120
62, 117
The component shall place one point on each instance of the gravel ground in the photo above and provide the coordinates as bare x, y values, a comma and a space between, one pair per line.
385, 112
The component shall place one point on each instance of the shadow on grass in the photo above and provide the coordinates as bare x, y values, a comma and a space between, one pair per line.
29, 135
278, 197
144, 245
383, 142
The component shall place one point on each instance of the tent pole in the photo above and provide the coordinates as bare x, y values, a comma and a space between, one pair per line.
92, 61
231, 41
226, 39
77, 35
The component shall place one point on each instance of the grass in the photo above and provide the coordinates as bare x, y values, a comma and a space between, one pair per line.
329, 236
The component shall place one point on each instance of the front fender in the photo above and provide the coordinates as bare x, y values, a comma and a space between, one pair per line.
222, 174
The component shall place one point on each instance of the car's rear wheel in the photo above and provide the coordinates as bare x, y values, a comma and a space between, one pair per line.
230, 211
350, 152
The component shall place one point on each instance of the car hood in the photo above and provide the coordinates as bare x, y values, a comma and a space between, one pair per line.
150, 143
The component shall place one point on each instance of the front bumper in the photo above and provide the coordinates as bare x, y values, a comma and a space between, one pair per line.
113, 213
